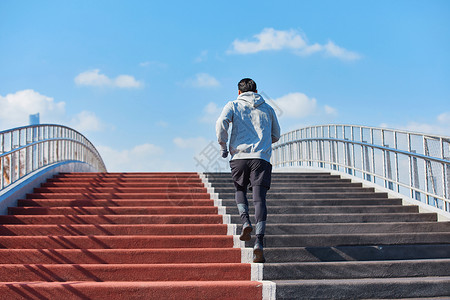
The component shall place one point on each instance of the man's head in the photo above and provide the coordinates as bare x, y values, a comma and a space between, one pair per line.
247, 85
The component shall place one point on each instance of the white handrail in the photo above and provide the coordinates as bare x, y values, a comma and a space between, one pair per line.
410, 163
24, 150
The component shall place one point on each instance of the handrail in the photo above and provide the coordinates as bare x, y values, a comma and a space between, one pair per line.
26, 149
414, 164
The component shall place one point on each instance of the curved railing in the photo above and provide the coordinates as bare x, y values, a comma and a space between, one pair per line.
26, 149
414, 164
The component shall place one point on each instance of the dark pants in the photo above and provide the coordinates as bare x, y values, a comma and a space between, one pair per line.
257, 173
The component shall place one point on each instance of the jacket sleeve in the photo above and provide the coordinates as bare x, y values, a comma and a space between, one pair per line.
276, 131
223, 123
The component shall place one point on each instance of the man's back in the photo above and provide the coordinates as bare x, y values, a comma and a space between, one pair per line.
254, 127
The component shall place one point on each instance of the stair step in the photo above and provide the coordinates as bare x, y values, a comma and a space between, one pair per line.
295, 190
373, 288
326, 240
109, 229
332, 209
299, 184
114, 203
301, 196
87, 196
124, 272
116, 180
354, 228
111, 219
321, 202
125, 184
346, 218
276, 181
356, 253
116, 242
133, 290
131, 190
120, 256
89, 210
162, 175
357, 269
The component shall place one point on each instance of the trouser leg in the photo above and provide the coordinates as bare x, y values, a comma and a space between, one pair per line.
259, 200
242, 204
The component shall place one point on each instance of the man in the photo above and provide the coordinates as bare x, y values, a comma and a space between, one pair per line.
255, 128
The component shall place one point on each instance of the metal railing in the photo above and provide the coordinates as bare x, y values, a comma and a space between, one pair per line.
26, 149
414, 164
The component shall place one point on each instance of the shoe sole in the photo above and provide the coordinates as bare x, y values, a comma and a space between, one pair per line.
245, 235
258, 256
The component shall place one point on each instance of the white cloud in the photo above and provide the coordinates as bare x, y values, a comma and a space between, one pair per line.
197, 143
296, 105
332, 49
202, 57
162, 124
330, 110
211, 113
127, 81
154, 63
95, 78
439, 126
203, 80
145, 157
270, 39
16, 108
87, 121
444, 118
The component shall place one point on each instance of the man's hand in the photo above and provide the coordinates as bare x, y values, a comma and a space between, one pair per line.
224, 150
224, 153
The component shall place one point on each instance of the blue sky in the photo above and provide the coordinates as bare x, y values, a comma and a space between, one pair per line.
145, 80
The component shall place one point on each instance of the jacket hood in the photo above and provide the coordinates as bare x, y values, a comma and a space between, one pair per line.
251, 98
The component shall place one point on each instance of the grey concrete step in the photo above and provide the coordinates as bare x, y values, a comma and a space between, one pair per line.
354, 228
329, 240
276, 175
370, 288
344, 218
299, 184
276, 181
316, 195
357, 269
333, 209
324, 202
356, 253
294, 189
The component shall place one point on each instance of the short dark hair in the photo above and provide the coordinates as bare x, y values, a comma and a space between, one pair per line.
247, 85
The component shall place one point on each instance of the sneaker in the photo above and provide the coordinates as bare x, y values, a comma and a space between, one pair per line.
246, 232
258, 253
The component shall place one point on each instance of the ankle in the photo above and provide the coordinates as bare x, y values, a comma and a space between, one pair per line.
260, 239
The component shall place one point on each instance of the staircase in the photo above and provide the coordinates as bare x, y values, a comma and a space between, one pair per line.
121, 236
329, 238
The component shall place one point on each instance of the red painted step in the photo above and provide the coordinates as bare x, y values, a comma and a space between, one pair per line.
118, 195
125, 272
134, 290
111, 219
120, 236
115, 242
196, 184
88, 210
119, 256
139, 190
113, 203
113, 229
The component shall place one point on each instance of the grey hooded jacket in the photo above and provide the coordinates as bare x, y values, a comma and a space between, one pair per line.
255, 127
